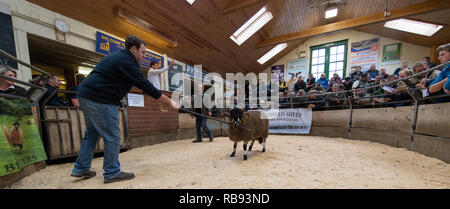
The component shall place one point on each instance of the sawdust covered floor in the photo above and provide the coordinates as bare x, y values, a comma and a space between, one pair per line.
290, 162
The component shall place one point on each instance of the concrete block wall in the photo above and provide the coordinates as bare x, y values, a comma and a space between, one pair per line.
391, 126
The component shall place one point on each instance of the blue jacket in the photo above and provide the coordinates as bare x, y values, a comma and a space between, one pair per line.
445, 73
324, 82
113, 78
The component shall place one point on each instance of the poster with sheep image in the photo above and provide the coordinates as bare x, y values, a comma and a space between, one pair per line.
20, 142
289, 121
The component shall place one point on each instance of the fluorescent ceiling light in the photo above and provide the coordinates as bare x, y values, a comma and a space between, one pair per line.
277, 49
331, 12
190, 1
421, 28
262, 17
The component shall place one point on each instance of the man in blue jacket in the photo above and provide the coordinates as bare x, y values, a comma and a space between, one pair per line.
99, 95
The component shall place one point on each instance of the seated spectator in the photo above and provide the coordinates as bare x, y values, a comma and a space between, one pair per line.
74, 97
282, 85
403, 85
424, 78
347, 84
357, 75
373, 73
310, 82
383, 73
299, 99
428, 62
324, 81
336, 98
377, 90
299, 85
35, 78
8, 87
52, 85
404, 66
316, 100
335, 80
363, 83
399, 93
318, 88
442, 82
380, 91
360, 97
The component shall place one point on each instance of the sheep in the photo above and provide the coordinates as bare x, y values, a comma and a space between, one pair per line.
248, 126
15, 137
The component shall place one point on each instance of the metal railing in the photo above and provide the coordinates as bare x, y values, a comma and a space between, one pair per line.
35, 94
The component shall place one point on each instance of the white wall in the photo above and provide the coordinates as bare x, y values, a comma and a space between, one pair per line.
410, 53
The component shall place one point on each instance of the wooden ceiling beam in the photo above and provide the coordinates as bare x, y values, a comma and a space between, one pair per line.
423, 7
240, 5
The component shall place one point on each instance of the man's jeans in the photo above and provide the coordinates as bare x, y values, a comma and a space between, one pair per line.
101, 120
199, 123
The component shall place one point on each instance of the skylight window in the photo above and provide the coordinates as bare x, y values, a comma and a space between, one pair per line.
277, 49
331, 12
412, 26
190, 1
262, 17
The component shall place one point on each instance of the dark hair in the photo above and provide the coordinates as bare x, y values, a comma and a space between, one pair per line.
153, 63
80, 78
427, 58
134, 41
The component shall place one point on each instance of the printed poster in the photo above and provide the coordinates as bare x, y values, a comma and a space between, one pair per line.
277, 70
391, 54
365, 54
20, 142
297, 68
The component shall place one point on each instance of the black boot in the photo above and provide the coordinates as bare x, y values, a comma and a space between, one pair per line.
197, 141
211, 139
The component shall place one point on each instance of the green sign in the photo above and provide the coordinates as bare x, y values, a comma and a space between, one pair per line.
391, 54
20, 143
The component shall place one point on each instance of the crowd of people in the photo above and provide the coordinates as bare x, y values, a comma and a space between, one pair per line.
335, 92
298, 92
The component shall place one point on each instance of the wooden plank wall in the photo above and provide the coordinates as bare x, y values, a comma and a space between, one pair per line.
150, 120
63, 147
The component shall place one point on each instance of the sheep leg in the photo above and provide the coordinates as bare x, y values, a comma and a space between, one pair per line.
234, 150
245, 150
264, 146
251, 146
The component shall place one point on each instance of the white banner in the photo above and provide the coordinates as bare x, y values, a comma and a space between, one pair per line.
289, 121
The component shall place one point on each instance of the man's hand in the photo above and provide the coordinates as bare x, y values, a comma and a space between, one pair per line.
210, 114
174, 106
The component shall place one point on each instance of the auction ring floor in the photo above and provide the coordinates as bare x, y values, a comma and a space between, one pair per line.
293, 162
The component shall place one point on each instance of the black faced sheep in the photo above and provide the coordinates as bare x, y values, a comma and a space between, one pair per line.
248, 126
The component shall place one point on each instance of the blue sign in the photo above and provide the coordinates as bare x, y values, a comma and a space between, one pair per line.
108, 45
